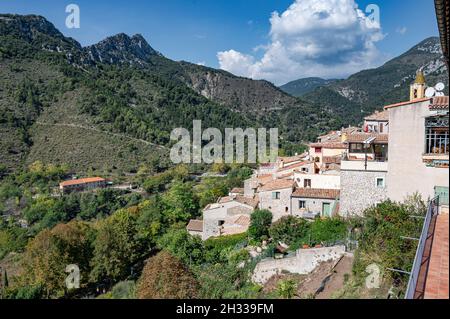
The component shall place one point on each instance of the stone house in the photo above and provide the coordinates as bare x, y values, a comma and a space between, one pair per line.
224, 213
311, 202
195, 227
276, 197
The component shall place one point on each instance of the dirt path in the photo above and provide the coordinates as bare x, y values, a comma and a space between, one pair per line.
337, 279
100, 131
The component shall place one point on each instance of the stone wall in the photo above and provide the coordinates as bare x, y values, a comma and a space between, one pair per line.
278, 207
313, 205
304, 262
359, 191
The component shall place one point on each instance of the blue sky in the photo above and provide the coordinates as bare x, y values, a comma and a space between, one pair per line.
251, 43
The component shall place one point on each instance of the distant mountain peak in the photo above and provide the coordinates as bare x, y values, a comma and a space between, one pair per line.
36, 30
122, 49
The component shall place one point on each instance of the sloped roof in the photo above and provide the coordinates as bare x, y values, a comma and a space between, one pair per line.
277, 184
439, 103
335, 145
362, 137
252, 202
316, 193
82, 181
378, 116
237, 190
195, 225
406, 103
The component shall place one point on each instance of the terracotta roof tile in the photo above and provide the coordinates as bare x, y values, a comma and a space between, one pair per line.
361, 137
316, 193
334, 145
406, 103
277, 184
293, 166
252, 202
291, 159
82, 181
332, 159
439, 103
378, 116
237, 190
195, 225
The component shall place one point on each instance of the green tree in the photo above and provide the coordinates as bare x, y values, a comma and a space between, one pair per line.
290, 230
180, 203
48, 254
181, 244
117, 246
259, 224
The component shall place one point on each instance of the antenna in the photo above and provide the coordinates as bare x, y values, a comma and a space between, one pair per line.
440, 86
430, 92
436, 91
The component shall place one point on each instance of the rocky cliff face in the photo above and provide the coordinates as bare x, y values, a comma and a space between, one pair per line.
122, 49
242, 94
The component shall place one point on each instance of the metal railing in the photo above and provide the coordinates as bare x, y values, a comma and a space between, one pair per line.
420, 253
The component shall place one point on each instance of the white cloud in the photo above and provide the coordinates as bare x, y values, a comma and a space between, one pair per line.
202, 63
329, 39
401, 30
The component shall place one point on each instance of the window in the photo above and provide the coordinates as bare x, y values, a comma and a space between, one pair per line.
276, 195
356, 148
301, 204
220, 222
305, 169
380, 182
307, 183
437, 135
318, 150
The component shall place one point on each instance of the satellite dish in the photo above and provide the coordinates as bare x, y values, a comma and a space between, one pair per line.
440, 86
430, 92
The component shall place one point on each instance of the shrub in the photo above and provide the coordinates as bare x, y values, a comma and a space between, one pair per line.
290, 230
259, 224
328, 230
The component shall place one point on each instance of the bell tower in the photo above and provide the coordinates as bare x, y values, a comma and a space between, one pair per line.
418, 88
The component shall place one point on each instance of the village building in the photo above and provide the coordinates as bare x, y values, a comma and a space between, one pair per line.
319, 181
83, 184
195, 227
276, 197
419, 147
330, 146
312, 202
223, 217
377, 123
363, 173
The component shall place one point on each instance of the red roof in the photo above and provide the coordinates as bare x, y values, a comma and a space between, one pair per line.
277, 184
406, 103
439, 103
82, 181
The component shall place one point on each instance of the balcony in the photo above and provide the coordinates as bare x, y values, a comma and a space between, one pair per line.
361, 165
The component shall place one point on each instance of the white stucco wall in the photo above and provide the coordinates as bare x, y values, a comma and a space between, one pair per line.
407, 171
319, 181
